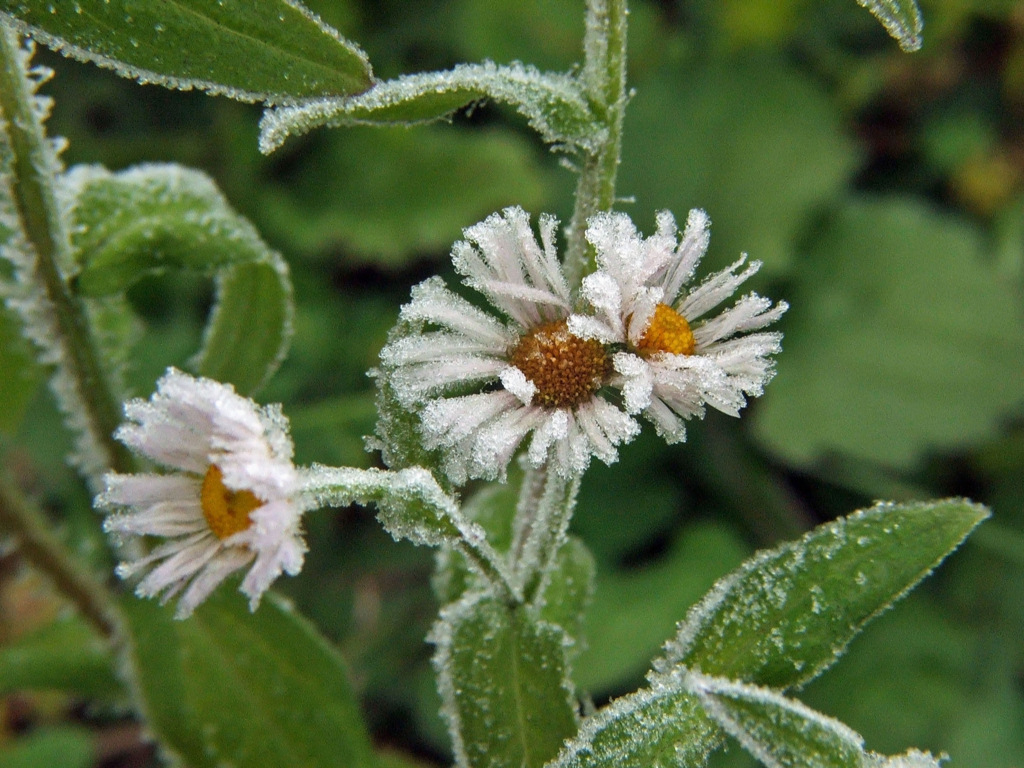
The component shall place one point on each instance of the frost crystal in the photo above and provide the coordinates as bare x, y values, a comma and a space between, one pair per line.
481, 384
672, 362
25, 292
540, 97
233, 498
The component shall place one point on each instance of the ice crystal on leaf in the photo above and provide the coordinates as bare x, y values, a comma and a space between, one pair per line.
232, 499
482, 383
672, 362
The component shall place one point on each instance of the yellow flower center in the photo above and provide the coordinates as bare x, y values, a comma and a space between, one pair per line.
668, 332
566, 369
226, 511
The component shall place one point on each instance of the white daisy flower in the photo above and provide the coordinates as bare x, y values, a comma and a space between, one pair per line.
671, 362
231, 501
481, 383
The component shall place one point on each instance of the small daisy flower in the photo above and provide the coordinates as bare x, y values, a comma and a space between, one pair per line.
231, 500
671, 361
482, 383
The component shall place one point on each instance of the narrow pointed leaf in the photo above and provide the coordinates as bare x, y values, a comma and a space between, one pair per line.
275, 51
152, 218
901, 19
788, 613
663, 725
554, 104
783, 733
252, 690
779, 732
503, 683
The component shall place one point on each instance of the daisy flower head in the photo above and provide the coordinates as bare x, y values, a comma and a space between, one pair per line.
672, 359
481, 381
230, 500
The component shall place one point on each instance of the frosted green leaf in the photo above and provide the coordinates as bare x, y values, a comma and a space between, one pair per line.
906, 339
656, 727
901, 19
249, 690
567, 589
156, 217
66, 655
504, 685
783, 733
274, 51
779, 732
250, 327
788, 613
151, 218
554, 104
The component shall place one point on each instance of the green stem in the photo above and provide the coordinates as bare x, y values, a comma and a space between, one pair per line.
34, 166
29, 527
604, 78
412, 505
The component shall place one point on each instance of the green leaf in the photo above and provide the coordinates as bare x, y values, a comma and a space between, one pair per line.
788, 613
901, 19
230, 687
659, 726
152, 218
64, 746
902, 338
754, 142
251, 325
504, 684
776, 730
553, 103
566, 591
275, 51
66, 655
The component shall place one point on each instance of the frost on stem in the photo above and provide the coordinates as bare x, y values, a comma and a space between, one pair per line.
26, 289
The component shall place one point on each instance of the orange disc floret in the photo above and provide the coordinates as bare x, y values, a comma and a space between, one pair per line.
226, 511
565, 369
668, 332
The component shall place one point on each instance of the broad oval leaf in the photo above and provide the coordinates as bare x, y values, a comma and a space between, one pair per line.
503, 682
904, 340
787, 614
249, 690
155, 217
553, 103
664, 725
901, 19
274, 51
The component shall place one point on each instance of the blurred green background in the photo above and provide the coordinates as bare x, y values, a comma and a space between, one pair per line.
884, 193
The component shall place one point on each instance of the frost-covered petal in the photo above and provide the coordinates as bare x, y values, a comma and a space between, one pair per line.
232, 498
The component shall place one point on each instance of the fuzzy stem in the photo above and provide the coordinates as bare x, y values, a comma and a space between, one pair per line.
35, 196
412, 505
29, 527
604, 78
